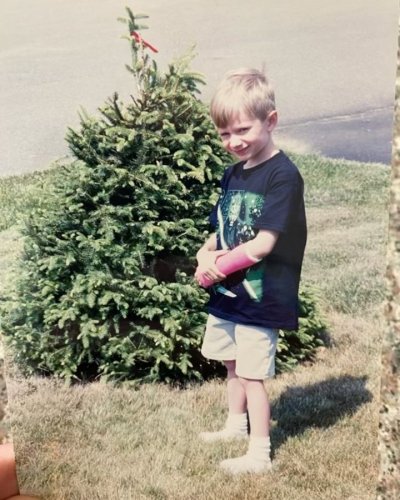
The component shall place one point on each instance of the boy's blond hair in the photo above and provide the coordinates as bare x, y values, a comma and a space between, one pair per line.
244, 90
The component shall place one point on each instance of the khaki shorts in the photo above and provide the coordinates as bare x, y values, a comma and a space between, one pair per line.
253, 347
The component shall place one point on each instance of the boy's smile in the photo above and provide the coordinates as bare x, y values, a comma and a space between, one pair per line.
250, 139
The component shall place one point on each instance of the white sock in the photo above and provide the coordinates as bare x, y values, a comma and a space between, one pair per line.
235, 428
257, 458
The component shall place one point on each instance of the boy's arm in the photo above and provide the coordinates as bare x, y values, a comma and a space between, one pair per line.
209, 246
206, 258
243, 256
260, 246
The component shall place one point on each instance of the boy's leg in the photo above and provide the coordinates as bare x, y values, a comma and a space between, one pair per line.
237, 403
257, 458
219, 343
236, 422
255, 362
258, 406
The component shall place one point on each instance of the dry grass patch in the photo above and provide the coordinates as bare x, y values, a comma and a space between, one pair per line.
140, 442
91, 441
349, 254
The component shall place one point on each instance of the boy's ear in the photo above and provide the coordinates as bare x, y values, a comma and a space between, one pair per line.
272, 120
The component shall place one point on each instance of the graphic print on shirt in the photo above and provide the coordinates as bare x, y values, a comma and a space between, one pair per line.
237, 212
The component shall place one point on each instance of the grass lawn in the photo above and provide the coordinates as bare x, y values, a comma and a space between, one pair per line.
102, 442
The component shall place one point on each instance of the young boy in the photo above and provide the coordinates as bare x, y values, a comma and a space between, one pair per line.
252, 262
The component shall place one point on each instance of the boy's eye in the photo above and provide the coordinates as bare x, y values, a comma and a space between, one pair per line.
243, 130
224, 135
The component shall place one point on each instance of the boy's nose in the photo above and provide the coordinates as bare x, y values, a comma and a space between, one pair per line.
235, 142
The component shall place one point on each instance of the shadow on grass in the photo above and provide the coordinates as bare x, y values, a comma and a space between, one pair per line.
318, 405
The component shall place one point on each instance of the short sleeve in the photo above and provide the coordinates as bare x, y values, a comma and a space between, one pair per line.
282, 201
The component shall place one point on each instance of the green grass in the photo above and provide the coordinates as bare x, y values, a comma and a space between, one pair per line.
104, 442
17, 196
337, 182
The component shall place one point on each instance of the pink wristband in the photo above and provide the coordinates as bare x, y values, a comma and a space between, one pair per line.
233, 261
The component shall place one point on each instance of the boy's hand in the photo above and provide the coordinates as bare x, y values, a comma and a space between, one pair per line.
207, 268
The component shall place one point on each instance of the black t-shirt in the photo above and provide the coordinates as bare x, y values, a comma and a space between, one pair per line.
267, 196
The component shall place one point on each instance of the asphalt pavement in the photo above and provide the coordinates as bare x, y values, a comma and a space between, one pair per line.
333, 65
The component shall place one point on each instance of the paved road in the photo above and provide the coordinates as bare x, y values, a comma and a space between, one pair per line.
333, 65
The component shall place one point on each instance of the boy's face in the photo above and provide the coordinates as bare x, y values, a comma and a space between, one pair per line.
250, 139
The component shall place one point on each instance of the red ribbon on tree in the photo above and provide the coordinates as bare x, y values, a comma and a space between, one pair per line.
139, 39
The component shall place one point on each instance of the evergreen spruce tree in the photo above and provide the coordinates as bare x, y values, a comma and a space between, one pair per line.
106, 287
